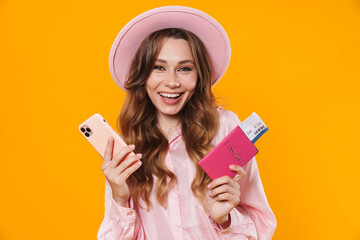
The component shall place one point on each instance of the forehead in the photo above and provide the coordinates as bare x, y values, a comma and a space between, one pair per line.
175, 49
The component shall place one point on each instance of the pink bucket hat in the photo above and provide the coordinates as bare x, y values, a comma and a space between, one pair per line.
205, 27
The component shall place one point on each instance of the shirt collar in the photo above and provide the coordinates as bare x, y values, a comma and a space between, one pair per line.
176, 134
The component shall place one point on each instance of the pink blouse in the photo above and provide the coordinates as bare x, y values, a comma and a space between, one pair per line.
185, 218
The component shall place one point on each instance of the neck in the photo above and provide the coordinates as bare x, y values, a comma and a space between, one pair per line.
167, 124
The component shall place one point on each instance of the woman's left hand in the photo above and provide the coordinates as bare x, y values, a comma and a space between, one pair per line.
223, 196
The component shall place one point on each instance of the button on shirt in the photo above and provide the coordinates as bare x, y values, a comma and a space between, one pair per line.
185, 218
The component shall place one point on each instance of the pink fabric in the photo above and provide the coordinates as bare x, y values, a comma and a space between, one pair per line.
185, 218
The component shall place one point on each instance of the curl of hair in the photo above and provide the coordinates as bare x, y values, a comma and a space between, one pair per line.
137, 121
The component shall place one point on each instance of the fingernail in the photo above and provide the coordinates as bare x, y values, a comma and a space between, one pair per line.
210, 194
209, 185
231, 166
139, 155
139, 162
132, 146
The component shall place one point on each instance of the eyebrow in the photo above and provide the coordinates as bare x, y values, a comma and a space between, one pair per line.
181, 62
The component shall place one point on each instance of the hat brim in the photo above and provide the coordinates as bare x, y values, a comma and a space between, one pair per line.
206, 28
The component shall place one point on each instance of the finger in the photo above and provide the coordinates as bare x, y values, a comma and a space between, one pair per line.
219, 181
228, 197
127, 163
130, 170
118, 157
240, 172
224, 189
108, 150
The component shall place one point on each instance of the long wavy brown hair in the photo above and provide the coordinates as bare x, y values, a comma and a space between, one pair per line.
137, 121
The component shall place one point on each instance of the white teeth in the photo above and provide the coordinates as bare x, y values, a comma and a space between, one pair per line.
169, 95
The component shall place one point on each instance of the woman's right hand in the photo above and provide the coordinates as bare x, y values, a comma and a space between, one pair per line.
118, 169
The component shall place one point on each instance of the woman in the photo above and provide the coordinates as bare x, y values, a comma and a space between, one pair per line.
171, 119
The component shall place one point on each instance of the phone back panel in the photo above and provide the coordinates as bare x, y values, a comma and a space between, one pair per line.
97, 131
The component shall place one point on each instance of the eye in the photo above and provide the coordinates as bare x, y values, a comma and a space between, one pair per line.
185, 69
159, 67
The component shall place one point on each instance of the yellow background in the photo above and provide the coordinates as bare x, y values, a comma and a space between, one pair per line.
294, 62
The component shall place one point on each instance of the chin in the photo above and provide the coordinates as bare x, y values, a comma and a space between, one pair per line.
172, 113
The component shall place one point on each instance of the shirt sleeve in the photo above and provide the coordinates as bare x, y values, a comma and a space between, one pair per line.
242, 227
253, 217
253, 201
119, 222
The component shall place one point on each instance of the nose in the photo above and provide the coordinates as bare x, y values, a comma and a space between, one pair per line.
172, 81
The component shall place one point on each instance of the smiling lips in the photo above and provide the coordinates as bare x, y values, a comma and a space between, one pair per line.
171, 98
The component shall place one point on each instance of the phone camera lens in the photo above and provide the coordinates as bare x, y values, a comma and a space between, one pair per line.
83, 129
104, 120
86, 134
88, 129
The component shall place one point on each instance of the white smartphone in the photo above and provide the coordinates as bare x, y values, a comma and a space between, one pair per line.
97, 131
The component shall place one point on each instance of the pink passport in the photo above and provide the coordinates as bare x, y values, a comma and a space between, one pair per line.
236, 148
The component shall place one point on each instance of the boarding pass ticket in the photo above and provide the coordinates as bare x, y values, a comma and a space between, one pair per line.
253, 127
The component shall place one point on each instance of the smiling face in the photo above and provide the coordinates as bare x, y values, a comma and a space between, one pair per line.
173, 79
